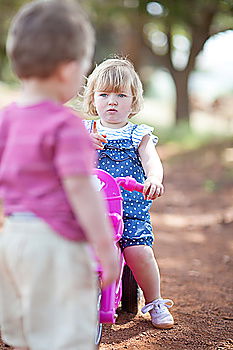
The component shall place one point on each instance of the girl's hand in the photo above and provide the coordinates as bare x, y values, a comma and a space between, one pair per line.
153, 188
97, 139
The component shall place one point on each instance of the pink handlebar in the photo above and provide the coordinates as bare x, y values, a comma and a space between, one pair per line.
129, 184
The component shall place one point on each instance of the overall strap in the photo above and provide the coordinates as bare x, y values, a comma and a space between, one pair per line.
133, 128
131, 134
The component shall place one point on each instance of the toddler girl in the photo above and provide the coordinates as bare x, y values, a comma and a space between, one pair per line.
114, 93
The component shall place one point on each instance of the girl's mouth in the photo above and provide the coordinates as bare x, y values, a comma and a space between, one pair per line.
111, 110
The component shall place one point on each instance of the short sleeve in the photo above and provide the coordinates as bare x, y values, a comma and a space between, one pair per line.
74, 152
1, 136
2, 133
140, 131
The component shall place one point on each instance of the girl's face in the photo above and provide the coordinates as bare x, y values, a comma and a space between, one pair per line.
113, 108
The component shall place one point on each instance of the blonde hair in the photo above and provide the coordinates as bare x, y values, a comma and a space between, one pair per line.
44, 34
113, 75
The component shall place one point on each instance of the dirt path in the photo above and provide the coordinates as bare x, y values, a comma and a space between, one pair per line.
194, 248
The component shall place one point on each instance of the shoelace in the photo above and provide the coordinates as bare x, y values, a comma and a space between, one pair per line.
156, 303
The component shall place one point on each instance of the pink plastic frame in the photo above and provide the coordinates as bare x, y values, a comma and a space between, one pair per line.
110, 188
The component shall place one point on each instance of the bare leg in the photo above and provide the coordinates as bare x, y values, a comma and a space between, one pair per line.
21, 348
143, 265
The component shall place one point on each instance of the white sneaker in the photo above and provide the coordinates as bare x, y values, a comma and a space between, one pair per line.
160, 315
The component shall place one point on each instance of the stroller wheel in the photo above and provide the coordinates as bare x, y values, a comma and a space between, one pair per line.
130, 292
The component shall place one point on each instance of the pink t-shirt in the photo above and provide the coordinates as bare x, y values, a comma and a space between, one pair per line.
39, 145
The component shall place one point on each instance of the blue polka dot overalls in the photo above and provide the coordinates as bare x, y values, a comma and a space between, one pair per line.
121, 158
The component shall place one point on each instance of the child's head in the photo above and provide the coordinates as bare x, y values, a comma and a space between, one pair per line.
45, 34
113, 75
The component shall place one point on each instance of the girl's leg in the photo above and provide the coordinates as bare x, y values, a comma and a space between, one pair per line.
143, 265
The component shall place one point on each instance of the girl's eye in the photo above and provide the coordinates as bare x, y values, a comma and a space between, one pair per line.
103, 95
121, 95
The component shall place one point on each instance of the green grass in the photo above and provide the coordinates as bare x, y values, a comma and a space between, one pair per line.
185, 137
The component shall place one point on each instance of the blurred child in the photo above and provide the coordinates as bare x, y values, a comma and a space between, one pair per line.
114, 94
48, 284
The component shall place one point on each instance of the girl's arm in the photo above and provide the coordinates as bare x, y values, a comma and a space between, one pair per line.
153, 168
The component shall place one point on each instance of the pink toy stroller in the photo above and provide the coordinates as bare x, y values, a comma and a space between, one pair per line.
126, 292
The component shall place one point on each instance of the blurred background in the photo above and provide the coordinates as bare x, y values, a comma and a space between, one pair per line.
183, 52
181, 49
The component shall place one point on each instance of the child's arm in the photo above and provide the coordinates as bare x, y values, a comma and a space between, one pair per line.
153, 168
89, 208
1, 213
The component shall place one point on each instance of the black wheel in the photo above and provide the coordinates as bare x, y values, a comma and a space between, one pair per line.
130, 292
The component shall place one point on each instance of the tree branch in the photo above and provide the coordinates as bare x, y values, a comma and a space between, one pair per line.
200, 34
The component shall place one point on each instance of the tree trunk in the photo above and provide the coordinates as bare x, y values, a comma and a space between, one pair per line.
130, 45
182, 96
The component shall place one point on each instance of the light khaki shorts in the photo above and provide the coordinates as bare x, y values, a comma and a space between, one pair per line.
47, 289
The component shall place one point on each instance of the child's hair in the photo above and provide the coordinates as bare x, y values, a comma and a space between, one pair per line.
113, 75
46, 33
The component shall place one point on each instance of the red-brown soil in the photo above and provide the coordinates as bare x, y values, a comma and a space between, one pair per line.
194, 245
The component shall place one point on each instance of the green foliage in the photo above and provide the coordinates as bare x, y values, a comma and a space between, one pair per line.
181, 134
7, 10
126, 27
185, 137
210, 185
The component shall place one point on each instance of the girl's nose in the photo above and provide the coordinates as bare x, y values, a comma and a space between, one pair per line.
112, 100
